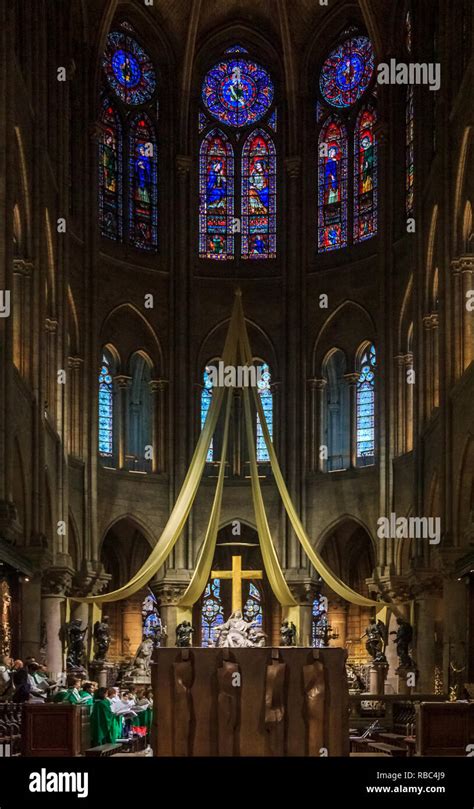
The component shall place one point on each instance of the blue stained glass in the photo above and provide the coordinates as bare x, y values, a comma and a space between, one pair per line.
206, 399
319, 621
212, 613
128, 69
237, 49
105, 410
365, 176
366, 408
258, 197
253, 606
216, 195
110, 173
266, 398
347, 72
237, 92
332, 186
143, 169
273, 120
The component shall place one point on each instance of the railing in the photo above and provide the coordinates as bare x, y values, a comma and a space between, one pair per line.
10, 733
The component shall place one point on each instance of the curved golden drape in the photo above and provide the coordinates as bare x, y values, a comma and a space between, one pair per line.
187, 494
269, 554
204, 562
334, 582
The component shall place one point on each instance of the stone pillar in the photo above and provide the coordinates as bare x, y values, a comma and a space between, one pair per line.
400, 434
425, 643
317, 391
131, 625
408, 444
122, 384
304, 592
157, 388
75, 433
22, 271
56, 584
428, 363
435, 357
31, 618
467, 282
51, 327
352, 380
455, 594
168, 594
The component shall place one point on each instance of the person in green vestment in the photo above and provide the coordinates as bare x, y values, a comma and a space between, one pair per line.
72, 695
102, 719
86, 693
115, 703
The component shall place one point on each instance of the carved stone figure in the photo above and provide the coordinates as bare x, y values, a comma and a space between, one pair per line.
354, 680
141, 664
376, 634
75, 644
101, 639
237, 632
184, 632
403, 639
288, 634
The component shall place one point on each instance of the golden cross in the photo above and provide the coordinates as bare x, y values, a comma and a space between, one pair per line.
237, 574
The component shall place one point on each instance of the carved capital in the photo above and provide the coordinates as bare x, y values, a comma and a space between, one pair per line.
57, 581
168, 593
352, 379
183, 165
463, 264
293, 166
122, 381
317, 384
22, 267
91, 580
157, 385
304, 590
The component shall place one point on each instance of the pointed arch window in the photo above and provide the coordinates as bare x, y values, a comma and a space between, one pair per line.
212, 611
259, 196
365, 176
110, 173
332, 182
216, 193
347, 176
206, 399
106, 407
143, 171
337, 421
139, 415
128, 139
266, 399
365, 438
238, 93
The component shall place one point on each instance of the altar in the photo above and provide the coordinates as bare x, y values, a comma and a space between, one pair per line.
284, 701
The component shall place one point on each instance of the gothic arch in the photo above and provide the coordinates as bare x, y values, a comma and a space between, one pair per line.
406, 317
465, 490
135, 523
337, 523
143, 338
23, 189
260, 342
335, 331
459, 192
431, 258
73, 325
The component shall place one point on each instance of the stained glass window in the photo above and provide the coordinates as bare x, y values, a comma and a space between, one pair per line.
273, 120
206, 399
105, 409
216, 189
410, 155
332, 184
258, 197
266, 399
128, 69
237, 49
143, 168
110, 173
237, 92
212, 613
365, 176
366, 408
253, 606
347, 72
319, 621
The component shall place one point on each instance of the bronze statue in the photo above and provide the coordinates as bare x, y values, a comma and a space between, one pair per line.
184, 632
101, 639
376, 634
403, 639
75, 644
288, 634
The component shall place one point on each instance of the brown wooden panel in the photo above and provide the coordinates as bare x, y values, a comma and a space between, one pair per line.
54, 730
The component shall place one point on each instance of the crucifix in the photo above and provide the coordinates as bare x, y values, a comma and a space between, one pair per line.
237, 574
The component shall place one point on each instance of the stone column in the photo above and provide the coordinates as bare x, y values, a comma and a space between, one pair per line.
21, 324
304, 592
157, 388
352, 380
168, 594
467, 280
435, 357
122, 384
51, 327
56, 584
458, 316
400, 434
31, 618
131, 624
318, 390
408, 445
425, 642
428, 366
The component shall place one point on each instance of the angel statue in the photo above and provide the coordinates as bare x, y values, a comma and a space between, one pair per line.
376, 634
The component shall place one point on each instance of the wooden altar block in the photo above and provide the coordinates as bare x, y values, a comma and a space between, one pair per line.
444, 728
54, 730
199, 711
